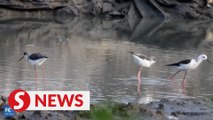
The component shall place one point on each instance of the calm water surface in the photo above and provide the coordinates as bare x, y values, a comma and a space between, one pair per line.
92, 54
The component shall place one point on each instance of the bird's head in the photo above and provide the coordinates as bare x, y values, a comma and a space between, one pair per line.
153, 59
25, 53
24, 56
203, 57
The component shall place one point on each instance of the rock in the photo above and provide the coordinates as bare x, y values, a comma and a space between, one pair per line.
163, 9
177, 9
97, 8
78, 2
133, 16
192, 109
3, 99
160, 106
174, 114
107, 7
85, 7
115, 14
201, 3
62, 7
21, 116
67, 11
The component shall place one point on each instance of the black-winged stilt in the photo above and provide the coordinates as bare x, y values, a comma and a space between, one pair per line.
142, 61
35, 59
188, 64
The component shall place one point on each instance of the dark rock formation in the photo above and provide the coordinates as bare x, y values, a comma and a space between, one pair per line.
173, 9
29, 8
166, 9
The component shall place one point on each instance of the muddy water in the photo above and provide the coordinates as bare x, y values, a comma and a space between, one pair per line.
92, 54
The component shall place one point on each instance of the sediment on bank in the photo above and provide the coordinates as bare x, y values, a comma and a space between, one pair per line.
164, 109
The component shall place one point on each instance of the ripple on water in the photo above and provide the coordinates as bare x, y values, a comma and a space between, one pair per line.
145, 81
96, 61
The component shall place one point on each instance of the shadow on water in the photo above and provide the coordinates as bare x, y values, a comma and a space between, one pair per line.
164, 34
171, 34
92, 54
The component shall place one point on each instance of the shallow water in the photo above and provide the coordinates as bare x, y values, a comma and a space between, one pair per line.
92, 54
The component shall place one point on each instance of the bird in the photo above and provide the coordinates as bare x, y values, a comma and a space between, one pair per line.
35, 59
142, 61
188, 64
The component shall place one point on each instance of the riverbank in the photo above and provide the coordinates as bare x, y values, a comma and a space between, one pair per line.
164, 109
158, 9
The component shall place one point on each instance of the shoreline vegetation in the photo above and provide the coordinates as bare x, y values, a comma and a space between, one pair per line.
164, 109
132, 9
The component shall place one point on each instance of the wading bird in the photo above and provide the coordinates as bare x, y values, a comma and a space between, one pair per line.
142, 61
188, 64
35, 59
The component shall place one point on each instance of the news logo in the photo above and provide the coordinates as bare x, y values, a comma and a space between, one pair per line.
8, 112
21, 100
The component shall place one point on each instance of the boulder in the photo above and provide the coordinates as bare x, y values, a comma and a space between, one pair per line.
67, 11
175, 9
107, 7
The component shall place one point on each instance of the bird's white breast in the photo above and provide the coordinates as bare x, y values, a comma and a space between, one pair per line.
142, 62
37, 62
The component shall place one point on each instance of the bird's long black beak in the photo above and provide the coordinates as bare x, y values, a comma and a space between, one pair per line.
20, 58
209, 62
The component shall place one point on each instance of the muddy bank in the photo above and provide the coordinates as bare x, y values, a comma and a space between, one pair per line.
165, 109
162, 9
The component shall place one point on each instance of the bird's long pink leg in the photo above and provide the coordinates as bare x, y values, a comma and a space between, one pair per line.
43, 71
184, 79
139, 80
35, 77
174, 83
184, 83
171, 78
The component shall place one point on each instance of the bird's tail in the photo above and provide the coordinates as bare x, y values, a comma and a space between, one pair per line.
173, 64
45, 56
132, 52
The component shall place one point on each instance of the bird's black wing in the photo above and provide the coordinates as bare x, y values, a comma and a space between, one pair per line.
179, 63
36, 56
